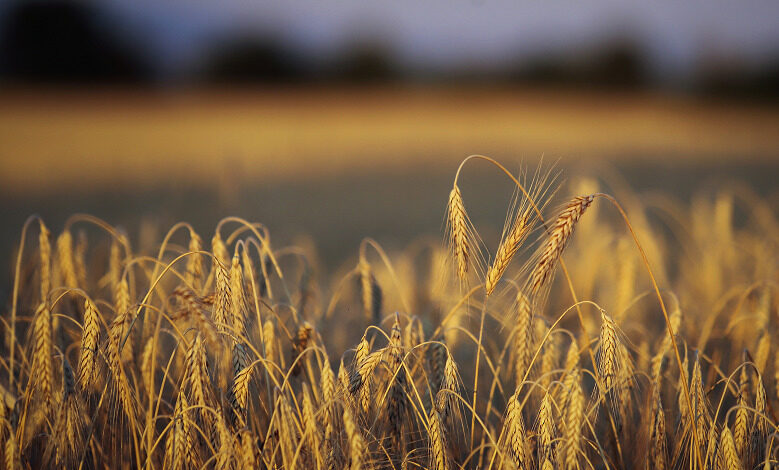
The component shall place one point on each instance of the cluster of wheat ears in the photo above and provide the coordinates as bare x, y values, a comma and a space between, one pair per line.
636, 355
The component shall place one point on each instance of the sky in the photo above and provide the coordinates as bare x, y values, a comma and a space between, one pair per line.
478, 33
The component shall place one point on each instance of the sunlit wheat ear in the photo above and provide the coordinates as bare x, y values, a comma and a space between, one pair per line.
546, 428
759, 423
222, 310
437, 442
514, 431
740, 426
44, 248
446, 402
728, 457
365, 383
240, 388
194, 273
523, 339
549, 359
762, 351
300, 343
573, 373
219, 249
149, 364
371, 293
573, 420
398, 394
122, 307
559, 235
357, 446
458, 231
238, 304
361, 380
327, 385
65, 260
509, 246
269, 341
43, 379
89, 340
118, 375
344, 385
197, 375
178, 446
701, 411
225, 455
608, 358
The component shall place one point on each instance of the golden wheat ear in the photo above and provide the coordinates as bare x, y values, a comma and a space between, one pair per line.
508, 248
560, 234
457, 223
521, 220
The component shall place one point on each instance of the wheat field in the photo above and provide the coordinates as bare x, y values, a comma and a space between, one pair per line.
589, 337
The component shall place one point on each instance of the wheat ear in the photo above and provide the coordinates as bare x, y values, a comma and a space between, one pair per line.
559, 236
519, 230
437, 442
89, 340
458, 231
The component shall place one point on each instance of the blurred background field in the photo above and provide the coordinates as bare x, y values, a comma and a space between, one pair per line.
337, 120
